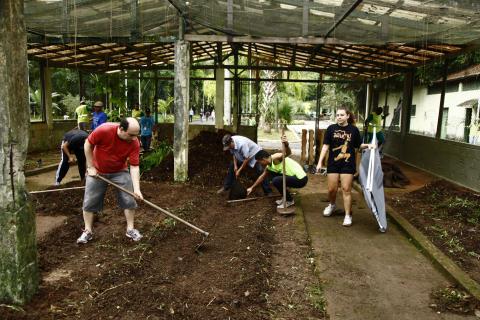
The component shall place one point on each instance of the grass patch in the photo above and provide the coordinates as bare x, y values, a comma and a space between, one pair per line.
317, 298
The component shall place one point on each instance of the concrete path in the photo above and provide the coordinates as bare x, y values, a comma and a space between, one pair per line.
367, 274
44, 224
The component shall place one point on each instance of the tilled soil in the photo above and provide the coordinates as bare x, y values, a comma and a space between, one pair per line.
254, 264
449, 216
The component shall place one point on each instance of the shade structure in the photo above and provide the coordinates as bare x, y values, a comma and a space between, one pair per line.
371, 180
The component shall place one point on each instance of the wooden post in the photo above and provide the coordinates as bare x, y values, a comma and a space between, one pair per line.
19, 275
181, 98
304, 146
311, 139
406, 103
219, 97
438, 134
46, 73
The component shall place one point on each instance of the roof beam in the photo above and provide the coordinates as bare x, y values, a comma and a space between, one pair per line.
343, 17
272, 40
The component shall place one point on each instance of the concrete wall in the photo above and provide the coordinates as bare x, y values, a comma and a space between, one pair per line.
165, 131
425, 120
42, 138
454, 161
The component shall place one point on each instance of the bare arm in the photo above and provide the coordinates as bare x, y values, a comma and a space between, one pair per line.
135, 174
323, 153
244, 163
65, 145
258, 181
88, 149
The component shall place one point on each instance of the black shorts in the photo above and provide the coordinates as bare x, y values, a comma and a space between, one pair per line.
341, 169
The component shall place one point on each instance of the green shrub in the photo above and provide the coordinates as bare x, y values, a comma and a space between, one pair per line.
154, 158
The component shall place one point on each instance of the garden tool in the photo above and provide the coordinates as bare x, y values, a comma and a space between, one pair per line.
284, 210
252, 199
204, 233
55, 190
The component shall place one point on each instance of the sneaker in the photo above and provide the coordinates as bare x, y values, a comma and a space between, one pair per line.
85, 237
347, 222
56, 184
134, 234
327, 212
280, 201
288, 204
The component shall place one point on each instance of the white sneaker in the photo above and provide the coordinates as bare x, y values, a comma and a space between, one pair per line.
288, 204
280, 201
347, 222
327, 212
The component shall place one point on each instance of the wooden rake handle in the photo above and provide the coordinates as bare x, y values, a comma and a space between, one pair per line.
154, 206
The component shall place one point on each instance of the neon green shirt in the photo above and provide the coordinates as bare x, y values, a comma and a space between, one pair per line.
82, 114
375, 122
292, 168
136, 113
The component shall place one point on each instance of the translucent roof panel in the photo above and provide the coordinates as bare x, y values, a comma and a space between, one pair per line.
359, 22
101, 19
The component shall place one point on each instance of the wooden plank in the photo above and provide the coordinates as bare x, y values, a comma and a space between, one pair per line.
304, 146
311, 153
247, 39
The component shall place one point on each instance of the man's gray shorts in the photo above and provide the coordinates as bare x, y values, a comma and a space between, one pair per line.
95, 191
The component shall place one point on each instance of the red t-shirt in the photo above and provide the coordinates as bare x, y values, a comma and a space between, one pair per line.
110, 153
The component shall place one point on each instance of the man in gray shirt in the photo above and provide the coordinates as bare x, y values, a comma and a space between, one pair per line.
243, 151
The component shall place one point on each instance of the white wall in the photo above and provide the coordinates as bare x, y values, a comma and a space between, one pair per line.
425, 120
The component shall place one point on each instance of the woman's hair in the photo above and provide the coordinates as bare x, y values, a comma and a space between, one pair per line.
262, 154
351, 118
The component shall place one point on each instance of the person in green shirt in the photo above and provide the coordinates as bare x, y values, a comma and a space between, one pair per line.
136, 112
83, 116
295, 176
374, 120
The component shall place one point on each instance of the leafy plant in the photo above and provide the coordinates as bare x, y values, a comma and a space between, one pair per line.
154, 158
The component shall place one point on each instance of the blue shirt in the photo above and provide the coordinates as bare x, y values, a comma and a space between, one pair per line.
98, 119
146, 125
244, 149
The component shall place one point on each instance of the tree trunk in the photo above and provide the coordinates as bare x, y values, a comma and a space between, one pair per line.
18, 253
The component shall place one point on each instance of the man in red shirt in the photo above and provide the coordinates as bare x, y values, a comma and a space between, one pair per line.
107, 150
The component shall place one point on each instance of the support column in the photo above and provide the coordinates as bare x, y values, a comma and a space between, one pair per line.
438, 134
236, 93
219, 97
318, 109
18, 252
406, 103
368, 100
227, 108
46, 73
181, 98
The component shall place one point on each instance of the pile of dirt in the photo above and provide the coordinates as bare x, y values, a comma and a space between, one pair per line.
207, 162
449, 215
393, 177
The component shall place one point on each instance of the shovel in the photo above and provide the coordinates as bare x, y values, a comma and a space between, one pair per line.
290, 210
205, 234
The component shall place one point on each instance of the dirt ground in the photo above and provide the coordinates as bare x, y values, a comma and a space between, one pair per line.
449, 216
254, 265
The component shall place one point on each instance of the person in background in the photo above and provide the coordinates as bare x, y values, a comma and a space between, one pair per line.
136, 112
243, 151
72, 144
147, 126
341, 140
99, 116
295, 176
374, 120
107, 151
83, 116
190, 115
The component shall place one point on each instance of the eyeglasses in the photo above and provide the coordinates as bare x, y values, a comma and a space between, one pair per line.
133, 135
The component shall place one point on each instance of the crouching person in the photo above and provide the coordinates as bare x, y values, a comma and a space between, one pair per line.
107, 149
294, 175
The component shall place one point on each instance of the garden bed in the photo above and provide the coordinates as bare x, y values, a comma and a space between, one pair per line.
254, 265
